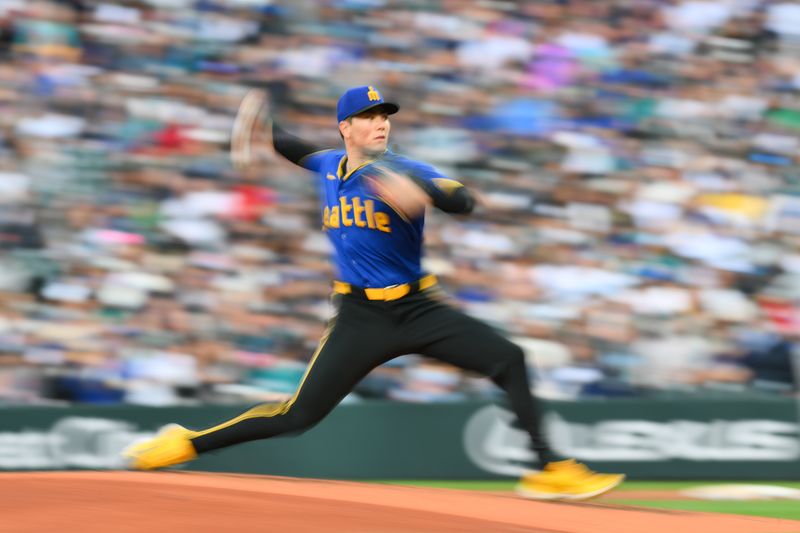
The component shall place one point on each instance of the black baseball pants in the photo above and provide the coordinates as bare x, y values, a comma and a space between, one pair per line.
365, 334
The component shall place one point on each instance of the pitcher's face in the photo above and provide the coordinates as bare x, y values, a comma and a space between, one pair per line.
367, 132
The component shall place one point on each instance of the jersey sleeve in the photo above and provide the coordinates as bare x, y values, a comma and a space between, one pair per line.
447, 194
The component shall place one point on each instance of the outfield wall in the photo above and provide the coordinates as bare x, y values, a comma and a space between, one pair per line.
653, 439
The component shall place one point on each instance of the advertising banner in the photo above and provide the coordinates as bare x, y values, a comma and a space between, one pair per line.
653, 439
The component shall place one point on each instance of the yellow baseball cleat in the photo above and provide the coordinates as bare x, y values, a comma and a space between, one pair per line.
171, 446
566, 480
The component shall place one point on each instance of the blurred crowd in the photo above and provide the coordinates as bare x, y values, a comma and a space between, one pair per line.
638, 161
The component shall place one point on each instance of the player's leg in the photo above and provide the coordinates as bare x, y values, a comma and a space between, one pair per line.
359, 339
440, 331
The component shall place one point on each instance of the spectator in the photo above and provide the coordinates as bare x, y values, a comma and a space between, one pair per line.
636, 164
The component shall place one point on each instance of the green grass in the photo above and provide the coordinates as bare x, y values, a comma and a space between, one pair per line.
680, 485
786, 509
628, 485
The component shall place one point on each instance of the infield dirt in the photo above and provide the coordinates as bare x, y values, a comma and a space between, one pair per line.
89, 502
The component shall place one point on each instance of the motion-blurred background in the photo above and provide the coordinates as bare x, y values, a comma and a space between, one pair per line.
640, 161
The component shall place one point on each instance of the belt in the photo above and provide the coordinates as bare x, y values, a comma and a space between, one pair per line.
394, 292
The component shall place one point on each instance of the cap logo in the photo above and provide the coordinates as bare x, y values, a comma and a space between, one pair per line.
373, 95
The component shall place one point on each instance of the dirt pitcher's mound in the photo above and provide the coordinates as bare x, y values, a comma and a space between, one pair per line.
89, 502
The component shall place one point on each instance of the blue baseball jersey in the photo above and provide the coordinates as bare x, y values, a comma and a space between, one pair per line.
375, 246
